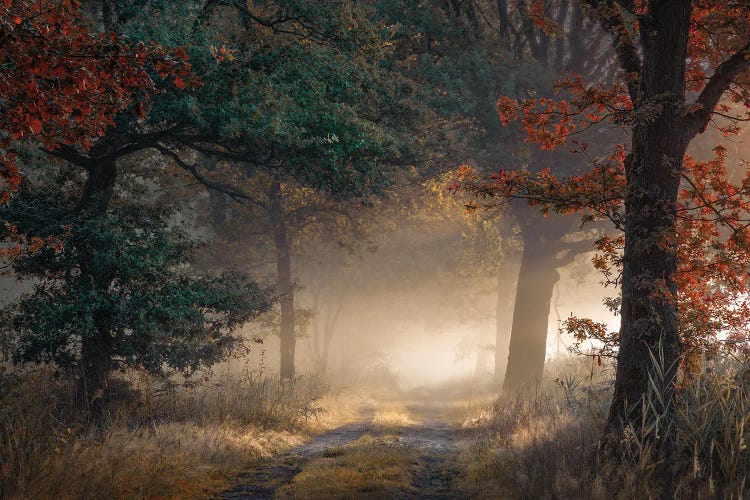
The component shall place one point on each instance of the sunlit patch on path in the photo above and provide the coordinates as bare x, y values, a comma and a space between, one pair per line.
402, 450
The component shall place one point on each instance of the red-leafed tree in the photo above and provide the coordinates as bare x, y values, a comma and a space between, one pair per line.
684, 257
62, 84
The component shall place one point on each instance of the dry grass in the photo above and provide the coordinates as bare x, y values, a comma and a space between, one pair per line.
162, 440
367, 468
547, 446
393, 415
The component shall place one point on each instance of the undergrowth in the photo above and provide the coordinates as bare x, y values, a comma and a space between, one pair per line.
159, 438
547, 444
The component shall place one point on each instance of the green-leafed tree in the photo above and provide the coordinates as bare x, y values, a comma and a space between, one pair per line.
288, 94
119, 292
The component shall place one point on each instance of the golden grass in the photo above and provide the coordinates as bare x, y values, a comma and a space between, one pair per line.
162, 441
392, 415
367, 468
547, 446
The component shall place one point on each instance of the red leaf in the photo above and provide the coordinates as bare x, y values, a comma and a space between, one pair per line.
35, 125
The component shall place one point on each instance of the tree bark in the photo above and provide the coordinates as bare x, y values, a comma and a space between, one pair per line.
650, 346
284, 281
507, 283
528, 342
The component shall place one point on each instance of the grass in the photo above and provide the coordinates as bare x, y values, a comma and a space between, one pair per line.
370, 467
161, 439
547, 446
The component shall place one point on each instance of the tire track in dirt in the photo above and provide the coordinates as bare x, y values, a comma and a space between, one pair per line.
435, 441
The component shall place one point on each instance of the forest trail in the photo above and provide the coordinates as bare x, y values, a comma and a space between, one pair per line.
396, 451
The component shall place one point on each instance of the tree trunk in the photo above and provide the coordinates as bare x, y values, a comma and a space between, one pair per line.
284, 281
97, 346
649, 337
507, 282
528, 342
483, 352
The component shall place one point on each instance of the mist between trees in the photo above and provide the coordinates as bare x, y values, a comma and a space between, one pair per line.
388, 195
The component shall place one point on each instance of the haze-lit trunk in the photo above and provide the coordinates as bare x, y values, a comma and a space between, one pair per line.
507, 280
283, 281
649, 336
97, 346
483, 350
528, 342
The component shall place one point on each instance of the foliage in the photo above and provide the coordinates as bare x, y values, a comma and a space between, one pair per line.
62, 84
289, 88
159, 314
711, 212
713, 247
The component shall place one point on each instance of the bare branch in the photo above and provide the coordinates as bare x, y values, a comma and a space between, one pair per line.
719, 83
236, 194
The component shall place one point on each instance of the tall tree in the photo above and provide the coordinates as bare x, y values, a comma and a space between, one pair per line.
289, 92
87, 308
664, 48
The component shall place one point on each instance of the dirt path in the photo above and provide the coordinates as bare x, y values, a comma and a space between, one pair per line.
423, 445
264, 480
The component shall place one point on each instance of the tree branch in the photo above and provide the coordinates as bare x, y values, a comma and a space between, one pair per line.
612, 21
719, 82
236, 194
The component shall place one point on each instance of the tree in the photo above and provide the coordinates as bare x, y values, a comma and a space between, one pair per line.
151, 311
289, 91
318, 115
105, 271
663, 49
62, 85
516, 48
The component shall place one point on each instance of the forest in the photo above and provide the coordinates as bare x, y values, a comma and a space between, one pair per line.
374, 249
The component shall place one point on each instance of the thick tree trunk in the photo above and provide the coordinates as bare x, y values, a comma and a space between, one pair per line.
284, 282
650, 346
649, 338
97, 346
507, 280
528, 342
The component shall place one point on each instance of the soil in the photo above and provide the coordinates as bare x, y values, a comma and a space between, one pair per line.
432, 440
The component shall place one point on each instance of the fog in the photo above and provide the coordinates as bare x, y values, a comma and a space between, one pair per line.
417, 306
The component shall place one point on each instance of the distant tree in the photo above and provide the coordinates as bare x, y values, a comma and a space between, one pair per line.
516, 48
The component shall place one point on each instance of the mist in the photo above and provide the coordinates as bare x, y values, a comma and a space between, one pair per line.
374, 249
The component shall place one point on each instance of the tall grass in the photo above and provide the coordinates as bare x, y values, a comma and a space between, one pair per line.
160, 439
548, 445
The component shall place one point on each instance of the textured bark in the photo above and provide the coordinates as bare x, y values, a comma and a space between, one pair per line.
284, 281
649, 328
